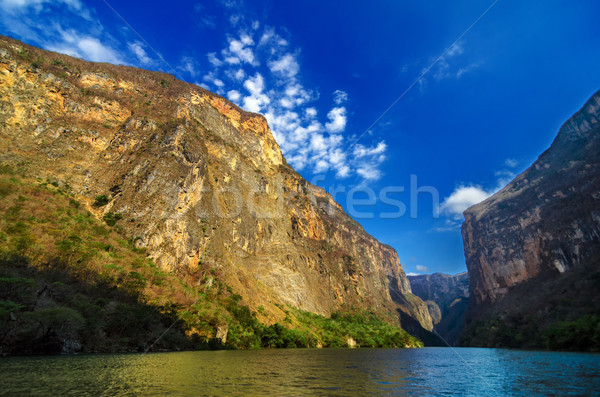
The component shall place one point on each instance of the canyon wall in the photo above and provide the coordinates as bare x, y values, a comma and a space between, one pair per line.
532, 248
195, 181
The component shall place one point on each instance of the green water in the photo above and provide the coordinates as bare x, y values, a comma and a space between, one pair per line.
428, 371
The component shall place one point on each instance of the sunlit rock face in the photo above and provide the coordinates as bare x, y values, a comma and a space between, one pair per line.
546, 221
199, 183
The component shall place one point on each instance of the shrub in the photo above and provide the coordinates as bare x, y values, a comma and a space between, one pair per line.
100, 201
111, 218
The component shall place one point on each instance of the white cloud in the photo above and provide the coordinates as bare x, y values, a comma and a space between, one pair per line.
214, 83
466, 69
454, 50
337, 119
234, 19
369, 172
240, 51
69, 27
38, 6
340, 97
465, 196
421, 268
504, 177
239, 74
212, 58
286, 65
255, 85
462, 198
86, 47
138, 49
257, 100
263, 74
189, 65
234, 96
230, 4
448, 66
362, 151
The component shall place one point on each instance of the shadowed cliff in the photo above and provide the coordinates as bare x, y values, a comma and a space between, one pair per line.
538, 237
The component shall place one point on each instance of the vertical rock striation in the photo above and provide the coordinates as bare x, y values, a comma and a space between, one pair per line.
198, 182
543, 227
447, 297
545, 220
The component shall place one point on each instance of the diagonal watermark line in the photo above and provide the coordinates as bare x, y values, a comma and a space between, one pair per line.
473, 370
419, 78
144, 40
114, 381
437, 60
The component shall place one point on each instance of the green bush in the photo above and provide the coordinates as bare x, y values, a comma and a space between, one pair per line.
579, 335
100, 201
111, 218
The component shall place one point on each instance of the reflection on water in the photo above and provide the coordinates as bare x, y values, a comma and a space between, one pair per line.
429, 371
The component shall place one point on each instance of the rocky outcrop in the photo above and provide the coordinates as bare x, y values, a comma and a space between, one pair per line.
447, 297
539, 231
196, 181
545, 220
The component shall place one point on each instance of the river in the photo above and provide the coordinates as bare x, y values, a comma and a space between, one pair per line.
359, 372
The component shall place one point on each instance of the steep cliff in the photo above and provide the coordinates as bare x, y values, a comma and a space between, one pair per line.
194, 180
543, 227
447, 297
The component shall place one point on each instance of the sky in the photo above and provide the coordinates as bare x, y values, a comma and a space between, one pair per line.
407, 111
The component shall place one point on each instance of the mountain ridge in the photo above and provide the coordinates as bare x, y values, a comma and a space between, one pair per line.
541, 232
447, 297
195, 181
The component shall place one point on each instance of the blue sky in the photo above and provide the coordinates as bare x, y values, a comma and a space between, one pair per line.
324, 73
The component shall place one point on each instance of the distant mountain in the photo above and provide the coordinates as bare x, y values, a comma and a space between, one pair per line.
198, 184
533, 249
447, 298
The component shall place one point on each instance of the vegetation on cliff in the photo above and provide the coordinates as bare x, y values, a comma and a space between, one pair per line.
550, 312
532, 249
196, 182
70, 282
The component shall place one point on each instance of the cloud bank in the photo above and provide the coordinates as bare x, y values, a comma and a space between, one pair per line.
258, 70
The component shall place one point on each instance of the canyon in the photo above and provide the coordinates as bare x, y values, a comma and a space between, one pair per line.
197, 183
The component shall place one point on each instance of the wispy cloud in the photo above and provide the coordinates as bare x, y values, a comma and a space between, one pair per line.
86, 47
138, 49
340, 97
77, 33
422, 269
452, 65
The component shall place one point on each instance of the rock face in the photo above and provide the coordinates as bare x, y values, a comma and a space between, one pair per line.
197, 181
545, 224
546, 220
447, 297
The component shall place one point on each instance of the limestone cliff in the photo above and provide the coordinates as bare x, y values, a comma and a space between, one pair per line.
543, 227
546, 220
197, 182
447, 297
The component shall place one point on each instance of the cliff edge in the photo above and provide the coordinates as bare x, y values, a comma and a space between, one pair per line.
197, 182
540, 235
